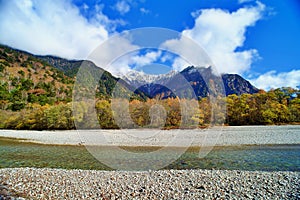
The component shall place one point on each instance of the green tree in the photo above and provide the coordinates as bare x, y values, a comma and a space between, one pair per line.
105, 115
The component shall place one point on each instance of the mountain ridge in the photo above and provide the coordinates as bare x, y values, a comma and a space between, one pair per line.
151, 86
196, 76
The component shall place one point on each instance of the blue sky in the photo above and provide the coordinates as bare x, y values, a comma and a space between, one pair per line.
257, 39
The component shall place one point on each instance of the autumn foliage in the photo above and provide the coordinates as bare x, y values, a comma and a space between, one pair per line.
280, 106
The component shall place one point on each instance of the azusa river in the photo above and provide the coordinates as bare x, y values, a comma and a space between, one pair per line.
14, 153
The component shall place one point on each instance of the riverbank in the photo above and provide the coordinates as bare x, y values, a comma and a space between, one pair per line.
46, 183
162, 184
219, 136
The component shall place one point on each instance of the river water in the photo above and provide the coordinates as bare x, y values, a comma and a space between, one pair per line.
263, 157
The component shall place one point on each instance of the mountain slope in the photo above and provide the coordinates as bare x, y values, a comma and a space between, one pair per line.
26, 78
107, 81
69, 67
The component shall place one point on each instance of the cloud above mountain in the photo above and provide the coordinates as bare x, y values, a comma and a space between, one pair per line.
66, 29
221, 33
52, 27
273, 79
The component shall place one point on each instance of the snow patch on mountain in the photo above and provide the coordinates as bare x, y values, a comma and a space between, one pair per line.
138, 78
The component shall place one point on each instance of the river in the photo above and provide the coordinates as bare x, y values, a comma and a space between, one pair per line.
280, 156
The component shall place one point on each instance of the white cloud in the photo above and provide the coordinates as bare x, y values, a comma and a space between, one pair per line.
53, 27
221, 32
167, 56
245, 1
272, 79
122, 7
85, 7
146, 59
99, 18
180, 64
144, 10
133, 60
113, 56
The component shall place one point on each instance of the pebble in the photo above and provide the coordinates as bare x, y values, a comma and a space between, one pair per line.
7, 194
46, 183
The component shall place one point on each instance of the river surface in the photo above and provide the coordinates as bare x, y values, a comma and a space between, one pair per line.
263, 157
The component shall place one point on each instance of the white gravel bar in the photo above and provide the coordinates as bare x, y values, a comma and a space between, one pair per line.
220, 136
165, 184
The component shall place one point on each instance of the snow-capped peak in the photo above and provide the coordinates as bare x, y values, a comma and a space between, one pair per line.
139, 78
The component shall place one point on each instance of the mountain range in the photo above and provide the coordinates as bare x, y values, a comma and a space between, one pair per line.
17, 67
191, 78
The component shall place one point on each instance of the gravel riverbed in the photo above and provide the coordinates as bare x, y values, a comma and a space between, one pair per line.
45, 183
220, 136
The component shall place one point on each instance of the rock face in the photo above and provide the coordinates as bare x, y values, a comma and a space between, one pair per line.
235, 84
174, 84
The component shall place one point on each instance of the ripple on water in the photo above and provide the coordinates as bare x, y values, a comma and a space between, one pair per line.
14, 153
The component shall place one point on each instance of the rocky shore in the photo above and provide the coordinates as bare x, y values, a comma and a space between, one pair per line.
35, 183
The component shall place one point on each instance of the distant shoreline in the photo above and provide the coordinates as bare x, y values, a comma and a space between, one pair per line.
219, 136
165, 128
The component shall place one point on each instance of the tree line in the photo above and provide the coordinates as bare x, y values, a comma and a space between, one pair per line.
280, 106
